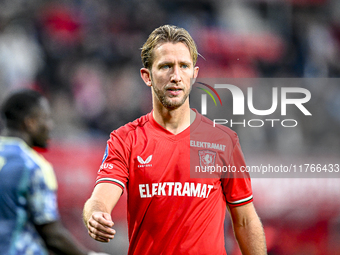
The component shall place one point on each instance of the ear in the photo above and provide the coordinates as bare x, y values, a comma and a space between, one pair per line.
146, 76
196, 69
30, 123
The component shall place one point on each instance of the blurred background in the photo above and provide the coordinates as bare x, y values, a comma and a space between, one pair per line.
84, 55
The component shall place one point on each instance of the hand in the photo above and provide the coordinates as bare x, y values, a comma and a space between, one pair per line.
100, 227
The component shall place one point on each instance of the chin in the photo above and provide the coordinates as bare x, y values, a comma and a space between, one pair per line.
173, 104
42, 145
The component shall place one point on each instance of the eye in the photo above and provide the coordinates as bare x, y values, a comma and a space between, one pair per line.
185, 66
165, 67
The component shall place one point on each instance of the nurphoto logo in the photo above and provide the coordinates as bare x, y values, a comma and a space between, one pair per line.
281, 97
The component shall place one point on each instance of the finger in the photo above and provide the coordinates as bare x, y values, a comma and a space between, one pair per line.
107, 216
101, 226
100, 230
99, 238
103, 218
101, 233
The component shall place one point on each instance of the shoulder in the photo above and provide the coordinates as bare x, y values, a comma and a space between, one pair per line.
15, 150
219, 130
131, 133
41, 170
25, 161
131, 128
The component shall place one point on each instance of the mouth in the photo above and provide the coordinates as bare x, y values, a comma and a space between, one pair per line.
174, 91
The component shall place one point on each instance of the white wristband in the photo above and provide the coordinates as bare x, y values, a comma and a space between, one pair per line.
97, 253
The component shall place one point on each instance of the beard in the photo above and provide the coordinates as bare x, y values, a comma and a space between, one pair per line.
40, 138
40, 144
168, 101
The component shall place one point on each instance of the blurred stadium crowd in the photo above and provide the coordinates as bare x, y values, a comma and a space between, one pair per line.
84, 55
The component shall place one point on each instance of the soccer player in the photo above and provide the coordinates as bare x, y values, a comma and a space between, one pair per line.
168, 211
29, 218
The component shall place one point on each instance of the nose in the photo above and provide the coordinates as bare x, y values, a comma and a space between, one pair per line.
176, 75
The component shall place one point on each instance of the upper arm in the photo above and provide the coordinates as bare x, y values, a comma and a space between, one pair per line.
236, 185
59, 240
48, 230
42, 197
106, 194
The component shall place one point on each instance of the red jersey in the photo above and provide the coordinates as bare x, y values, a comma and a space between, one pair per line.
169, 212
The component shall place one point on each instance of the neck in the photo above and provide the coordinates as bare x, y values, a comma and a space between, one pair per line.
19, 134
176, 120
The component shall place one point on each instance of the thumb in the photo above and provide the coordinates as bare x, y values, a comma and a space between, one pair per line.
107, 217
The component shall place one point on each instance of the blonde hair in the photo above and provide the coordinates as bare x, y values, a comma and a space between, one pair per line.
167, 33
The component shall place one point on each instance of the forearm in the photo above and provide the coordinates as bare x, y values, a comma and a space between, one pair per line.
250, 237
103, 199
91, 206
59, 240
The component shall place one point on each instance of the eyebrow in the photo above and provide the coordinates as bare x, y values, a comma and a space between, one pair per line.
171, 63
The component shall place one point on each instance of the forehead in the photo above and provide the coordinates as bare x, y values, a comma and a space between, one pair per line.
172, 51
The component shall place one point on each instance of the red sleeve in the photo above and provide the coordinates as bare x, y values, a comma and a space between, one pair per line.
115, 164
237, 186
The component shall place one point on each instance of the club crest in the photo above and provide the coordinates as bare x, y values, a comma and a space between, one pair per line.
207, 158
